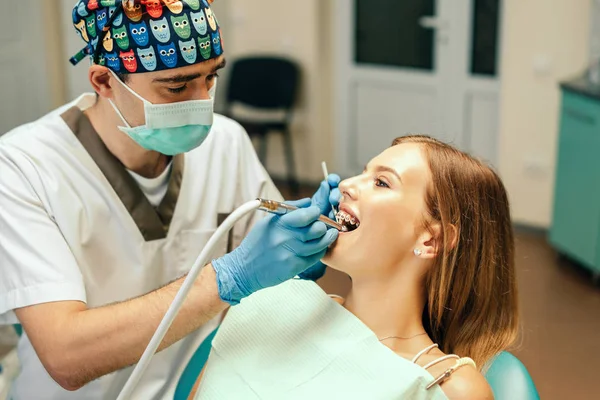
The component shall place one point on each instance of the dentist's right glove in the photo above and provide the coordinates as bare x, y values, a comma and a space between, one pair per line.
277, 249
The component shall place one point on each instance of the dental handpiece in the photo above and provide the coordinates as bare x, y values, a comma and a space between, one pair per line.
276, 207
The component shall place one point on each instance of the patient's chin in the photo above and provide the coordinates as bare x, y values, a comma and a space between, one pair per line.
334, 258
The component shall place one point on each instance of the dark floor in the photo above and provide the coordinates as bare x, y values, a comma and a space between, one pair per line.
560, 317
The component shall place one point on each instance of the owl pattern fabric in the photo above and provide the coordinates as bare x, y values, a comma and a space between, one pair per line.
151, 35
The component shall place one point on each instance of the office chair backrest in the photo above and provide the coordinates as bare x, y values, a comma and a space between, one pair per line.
263, 82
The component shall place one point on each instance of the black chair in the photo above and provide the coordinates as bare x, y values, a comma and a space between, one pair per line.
266, 84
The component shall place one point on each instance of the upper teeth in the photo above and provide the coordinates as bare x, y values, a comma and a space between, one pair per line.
344, 217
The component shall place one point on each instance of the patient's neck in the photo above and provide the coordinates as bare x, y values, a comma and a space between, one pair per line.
390, 306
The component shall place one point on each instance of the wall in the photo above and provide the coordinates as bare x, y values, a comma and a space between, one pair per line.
76, 80
53, 40
543, 42
298, 30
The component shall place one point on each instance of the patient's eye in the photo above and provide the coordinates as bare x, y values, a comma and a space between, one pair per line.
380, 183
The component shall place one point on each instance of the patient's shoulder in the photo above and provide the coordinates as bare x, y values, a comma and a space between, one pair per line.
467, 383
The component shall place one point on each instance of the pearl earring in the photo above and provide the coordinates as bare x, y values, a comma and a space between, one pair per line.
417, 252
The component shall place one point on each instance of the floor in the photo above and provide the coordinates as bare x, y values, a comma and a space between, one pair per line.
560, 312
560, 317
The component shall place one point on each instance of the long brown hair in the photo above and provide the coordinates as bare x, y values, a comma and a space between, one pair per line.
471, 306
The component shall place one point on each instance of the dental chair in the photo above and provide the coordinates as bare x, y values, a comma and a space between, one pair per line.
509, 379
507, 376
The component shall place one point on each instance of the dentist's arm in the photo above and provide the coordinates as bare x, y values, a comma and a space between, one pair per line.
77, 345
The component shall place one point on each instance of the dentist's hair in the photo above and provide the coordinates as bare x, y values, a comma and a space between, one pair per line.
471, 305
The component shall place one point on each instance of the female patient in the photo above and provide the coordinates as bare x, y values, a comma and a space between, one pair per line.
430, 255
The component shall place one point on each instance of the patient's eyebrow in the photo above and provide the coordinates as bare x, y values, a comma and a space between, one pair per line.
383, 168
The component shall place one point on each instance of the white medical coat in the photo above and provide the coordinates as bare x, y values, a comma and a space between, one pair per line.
75, 226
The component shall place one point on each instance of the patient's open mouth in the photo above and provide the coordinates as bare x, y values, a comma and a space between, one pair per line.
348, 220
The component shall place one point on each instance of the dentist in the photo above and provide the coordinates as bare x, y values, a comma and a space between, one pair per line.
106, 202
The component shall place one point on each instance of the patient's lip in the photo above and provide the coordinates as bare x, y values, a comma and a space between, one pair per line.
349, 211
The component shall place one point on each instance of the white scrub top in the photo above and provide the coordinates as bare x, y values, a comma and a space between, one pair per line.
76, 226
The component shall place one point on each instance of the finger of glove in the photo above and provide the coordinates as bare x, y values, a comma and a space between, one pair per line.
305, 249
300, 218
302, 203
321, 197
314, 231
335, 196
314, 273
313, 259
333, 180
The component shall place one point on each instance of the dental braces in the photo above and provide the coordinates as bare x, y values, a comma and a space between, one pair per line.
347, 220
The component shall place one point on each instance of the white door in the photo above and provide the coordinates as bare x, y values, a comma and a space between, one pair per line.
415, 66
23, 64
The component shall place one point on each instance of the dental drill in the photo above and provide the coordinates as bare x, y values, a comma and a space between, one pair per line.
270, 206
276, 207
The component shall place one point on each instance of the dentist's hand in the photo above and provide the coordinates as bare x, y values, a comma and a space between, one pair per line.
327, 195
276, 249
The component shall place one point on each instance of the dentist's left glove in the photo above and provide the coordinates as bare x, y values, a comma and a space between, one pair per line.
327, 195
276, 249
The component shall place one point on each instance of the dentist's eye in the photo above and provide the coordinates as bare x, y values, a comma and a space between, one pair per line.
211, 77
381, 183
177, 90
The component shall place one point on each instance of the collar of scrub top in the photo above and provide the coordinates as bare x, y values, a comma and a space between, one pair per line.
179, 46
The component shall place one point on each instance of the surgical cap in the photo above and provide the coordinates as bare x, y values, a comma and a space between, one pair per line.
130, 36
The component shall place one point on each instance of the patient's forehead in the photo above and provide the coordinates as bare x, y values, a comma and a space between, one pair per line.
408, 159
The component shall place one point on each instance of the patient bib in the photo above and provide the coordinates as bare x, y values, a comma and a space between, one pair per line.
294, 342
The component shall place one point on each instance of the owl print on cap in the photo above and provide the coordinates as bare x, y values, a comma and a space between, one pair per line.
199, 21
147, 58
181, 25
121, 37
113, 62
160, 29
168, 54
189, 51
129, 61
139, 33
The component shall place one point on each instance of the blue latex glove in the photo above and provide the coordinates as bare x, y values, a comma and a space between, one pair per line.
327, 194
276, 249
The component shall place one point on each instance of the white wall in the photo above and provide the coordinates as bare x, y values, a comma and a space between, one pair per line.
544, 42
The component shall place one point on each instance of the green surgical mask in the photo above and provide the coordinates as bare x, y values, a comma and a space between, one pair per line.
171, 128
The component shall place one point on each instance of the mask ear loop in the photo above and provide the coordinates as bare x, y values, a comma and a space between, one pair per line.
119, 113
130, 91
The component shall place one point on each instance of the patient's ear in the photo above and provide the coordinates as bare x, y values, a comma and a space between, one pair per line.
432, 240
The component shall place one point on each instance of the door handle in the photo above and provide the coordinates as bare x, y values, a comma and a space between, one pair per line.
432, 22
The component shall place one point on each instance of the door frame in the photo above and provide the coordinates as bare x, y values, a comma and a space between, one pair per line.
344, 68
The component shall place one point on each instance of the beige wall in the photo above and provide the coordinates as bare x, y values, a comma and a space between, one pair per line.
552, 35
54, 42
297, 30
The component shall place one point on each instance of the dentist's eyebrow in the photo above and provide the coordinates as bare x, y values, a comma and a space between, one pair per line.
182, 78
